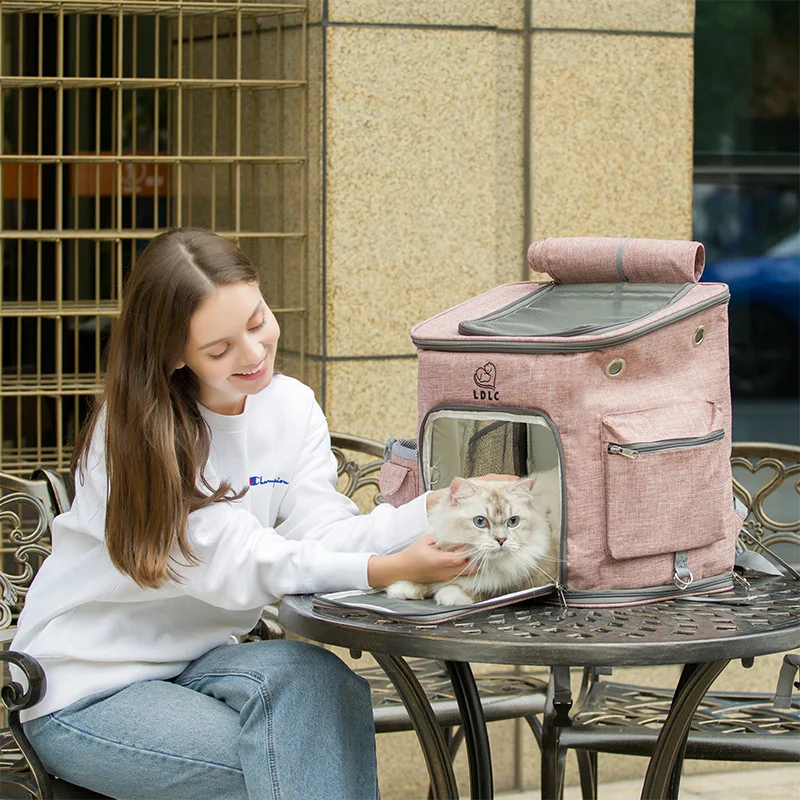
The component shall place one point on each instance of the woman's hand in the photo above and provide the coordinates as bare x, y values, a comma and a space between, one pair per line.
421, 562
432, 498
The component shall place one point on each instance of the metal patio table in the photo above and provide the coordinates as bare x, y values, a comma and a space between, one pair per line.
702, 636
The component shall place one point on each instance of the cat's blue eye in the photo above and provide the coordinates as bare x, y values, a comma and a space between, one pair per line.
512, 522
480, 522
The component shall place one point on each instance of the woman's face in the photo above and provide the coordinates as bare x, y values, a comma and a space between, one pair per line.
233, 337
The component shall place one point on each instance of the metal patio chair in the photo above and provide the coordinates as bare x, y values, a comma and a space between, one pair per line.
27, 509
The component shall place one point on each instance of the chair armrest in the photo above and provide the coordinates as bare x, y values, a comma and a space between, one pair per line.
267, 627
13, 695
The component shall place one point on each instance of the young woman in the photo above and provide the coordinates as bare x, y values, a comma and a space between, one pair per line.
204, 491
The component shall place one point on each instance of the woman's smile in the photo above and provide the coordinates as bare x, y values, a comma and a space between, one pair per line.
253, 374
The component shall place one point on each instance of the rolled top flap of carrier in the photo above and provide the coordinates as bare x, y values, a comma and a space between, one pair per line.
601, 259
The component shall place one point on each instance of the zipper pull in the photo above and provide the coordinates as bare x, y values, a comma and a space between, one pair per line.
618, 450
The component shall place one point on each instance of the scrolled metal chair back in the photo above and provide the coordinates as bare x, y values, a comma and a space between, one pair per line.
766, 476
358, 464
26, 511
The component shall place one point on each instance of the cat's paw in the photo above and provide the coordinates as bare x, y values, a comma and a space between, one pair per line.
406, 590
452, 595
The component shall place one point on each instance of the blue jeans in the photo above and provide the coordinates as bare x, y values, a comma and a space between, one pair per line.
278, 720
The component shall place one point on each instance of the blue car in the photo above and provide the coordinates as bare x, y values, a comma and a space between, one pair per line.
764, 319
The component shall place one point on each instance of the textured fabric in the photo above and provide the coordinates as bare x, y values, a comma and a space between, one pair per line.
400, 481
93, 628
625, 517
598, 259
273, 720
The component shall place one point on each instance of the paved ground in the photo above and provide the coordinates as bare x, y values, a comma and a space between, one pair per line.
781, 783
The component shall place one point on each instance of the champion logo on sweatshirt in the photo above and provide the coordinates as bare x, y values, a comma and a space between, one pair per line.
258, 480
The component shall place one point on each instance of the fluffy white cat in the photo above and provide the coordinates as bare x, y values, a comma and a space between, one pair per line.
511, 530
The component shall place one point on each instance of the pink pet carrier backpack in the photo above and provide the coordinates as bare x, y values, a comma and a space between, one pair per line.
615, 374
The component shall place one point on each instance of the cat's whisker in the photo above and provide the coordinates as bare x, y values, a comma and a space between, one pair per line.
481, 560
547, 575
526, 560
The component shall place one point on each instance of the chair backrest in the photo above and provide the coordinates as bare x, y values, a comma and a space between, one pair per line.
358, 464
27, 508
766, 478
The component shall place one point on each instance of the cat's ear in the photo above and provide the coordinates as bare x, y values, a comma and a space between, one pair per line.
523, 486
461, 489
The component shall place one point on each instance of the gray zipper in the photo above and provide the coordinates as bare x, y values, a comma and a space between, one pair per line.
633, 450
633, 596
496, 344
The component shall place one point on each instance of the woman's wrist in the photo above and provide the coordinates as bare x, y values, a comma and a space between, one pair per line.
383, 570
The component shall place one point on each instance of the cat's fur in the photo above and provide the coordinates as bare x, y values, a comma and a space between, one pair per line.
508, 558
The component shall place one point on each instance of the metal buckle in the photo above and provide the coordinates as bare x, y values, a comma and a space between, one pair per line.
681, 583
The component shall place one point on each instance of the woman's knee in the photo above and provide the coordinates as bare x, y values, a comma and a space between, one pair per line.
293, 654
317, 669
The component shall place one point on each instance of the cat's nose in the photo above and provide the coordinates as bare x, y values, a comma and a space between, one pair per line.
500, 540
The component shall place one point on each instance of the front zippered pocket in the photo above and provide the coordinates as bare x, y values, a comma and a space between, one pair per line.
667, 480
633, 450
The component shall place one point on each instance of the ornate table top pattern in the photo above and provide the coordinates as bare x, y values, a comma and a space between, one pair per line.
765, 619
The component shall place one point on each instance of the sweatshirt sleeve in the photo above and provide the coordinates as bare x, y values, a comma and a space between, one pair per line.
312, 509
243, 565
321, 544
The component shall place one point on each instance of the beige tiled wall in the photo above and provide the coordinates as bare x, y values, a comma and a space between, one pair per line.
418, 123
462, 13
412, 138
611, 135
373, 397
657, 16
424, 186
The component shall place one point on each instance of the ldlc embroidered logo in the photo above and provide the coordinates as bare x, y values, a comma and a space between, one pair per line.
485, 378
257, 480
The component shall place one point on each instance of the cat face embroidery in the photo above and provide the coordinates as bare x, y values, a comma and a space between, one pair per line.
510, 529
486, 376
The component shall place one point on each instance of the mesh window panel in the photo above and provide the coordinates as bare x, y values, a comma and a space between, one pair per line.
496, 447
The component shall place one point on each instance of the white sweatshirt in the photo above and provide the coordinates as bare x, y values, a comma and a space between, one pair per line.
92, 628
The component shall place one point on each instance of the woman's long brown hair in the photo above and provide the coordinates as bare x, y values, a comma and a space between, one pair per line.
156, 441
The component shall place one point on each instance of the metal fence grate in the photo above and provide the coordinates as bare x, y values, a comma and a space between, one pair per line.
117, 120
